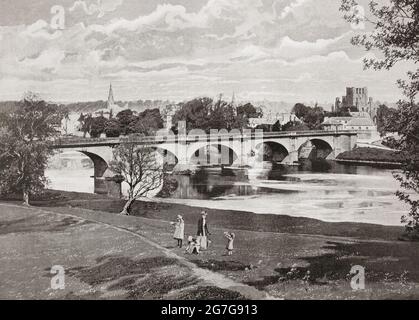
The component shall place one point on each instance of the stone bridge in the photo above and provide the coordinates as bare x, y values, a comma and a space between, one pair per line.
237, 149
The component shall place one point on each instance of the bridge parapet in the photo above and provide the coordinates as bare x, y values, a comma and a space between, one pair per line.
87, 142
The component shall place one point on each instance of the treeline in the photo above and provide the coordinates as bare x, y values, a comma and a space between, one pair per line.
205, 114
125, 122
93, 106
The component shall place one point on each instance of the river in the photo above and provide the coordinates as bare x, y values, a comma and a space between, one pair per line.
329, 191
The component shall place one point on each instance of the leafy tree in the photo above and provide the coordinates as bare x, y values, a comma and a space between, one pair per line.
152, 119
138, 165
85, 123
312, 117
406, 123
295, 126
205, 114
241, 122
264, 127
112, 128
25, 138
277, 127
249, 111
147, 122
125, 118
196, 113
221, 116
384, 113
395, 33
97, 126
300, 110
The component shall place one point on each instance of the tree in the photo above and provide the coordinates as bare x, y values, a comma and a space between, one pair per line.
406, 123
205, 113
312, 117
97, 126
277, 127
295, 126
125, 118
249, 111
112, 128
85, 123
25, 141
384, 113
140, 168
147, 122
221, 116
395, 34
196, 113
300, 110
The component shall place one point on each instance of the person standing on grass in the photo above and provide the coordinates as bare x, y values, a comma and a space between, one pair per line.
179, 230
230, 244
203, 231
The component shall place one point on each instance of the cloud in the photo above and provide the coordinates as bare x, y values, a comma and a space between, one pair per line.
275, 46
291, 7
99, 8
166, 17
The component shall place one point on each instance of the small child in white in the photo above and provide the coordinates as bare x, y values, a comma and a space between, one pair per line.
230, 244
193, 246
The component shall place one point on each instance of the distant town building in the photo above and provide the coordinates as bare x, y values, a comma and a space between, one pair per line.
167, 113
271, 118
365, 127
358, 102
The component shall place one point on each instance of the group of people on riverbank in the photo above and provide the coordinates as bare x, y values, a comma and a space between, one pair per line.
201, 241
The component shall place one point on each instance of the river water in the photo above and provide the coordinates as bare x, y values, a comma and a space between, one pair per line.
329, 191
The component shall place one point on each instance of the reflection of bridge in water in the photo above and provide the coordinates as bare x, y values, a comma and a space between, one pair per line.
228, 149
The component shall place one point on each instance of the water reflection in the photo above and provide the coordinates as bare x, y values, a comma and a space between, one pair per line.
211, 183
322, 190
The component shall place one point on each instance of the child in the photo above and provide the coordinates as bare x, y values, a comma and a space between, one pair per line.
188, 247
193, 245
179, 230
230, 237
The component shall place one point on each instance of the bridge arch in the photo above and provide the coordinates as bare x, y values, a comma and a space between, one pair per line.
315, 148
272, 151
228, 153
99, 164
168, 155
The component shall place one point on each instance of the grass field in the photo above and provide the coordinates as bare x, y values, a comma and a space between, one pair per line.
283, 257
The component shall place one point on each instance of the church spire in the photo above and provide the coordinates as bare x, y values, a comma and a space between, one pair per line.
111, 101
233, 103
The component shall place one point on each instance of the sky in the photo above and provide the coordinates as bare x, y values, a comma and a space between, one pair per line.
278, 50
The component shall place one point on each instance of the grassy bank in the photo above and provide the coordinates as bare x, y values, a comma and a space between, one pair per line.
287, 257
228, 219
372, 155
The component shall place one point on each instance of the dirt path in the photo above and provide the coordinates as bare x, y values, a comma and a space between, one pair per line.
209, 277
